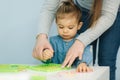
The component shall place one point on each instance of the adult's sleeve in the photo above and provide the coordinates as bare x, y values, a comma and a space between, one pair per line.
107, 18
47, 14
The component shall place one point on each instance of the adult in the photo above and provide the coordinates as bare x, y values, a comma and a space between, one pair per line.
98, 24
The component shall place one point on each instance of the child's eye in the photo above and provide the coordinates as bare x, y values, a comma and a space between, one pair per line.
61, 27
70, 27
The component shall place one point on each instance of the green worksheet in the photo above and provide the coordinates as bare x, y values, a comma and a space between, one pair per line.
12, 67
51, 67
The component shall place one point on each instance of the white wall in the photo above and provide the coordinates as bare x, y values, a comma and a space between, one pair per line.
18, 28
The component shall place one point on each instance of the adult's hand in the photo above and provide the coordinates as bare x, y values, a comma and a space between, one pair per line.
42, 43
75, 51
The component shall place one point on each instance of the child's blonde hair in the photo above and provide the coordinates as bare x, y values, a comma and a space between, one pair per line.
68, 7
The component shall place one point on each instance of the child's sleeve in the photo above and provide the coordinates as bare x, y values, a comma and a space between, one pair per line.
87, 56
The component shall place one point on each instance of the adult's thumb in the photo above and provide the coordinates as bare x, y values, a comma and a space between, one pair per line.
80, 57
51, 49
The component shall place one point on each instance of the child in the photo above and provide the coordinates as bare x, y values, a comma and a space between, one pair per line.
68, 21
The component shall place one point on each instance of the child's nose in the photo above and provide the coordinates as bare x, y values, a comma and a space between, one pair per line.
65, 30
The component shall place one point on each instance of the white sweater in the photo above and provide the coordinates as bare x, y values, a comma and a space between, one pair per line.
108, 15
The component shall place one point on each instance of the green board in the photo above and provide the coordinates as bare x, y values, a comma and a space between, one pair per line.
51, 67
12, 67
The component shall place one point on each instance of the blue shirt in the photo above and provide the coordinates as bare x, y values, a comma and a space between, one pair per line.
61, 47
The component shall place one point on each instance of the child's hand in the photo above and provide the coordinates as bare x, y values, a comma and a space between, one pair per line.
82, 67
47, 54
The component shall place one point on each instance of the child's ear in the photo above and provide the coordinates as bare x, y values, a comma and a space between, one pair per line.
80, 25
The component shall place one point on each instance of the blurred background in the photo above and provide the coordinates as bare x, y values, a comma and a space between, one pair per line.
18, 28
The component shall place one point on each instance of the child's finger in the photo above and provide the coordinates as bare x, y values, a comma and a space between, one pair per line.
89, 69
46, 56
80, 69
49, 53
84, 69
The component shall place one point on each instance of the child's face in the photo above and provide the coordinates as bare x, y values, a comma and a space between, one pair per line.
67, 27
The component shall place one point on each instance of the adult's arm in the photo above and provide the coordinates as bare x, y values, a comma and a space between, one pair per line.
107, 18
47, 14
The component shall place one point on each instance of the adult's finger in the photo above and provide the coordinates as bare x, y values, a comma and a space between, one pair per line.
66, 61
80, 56
34, 53
51, 49
70, 62
39, 53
